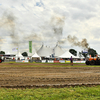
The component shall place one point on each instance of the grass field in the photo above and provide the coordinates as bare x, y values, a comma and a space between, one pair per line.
46, 64
67, 93
72, 93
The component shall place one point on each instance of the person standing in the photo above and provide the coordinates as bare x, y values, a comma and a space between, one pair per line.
71, 61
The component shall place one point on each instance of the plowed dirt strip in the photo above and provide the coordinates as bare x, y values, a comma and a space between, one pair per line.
18, 76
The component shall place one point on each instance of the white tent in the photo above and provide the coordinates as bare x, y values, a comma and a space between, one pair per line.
44, 51
35, 55
8, 53
67, 54
57, 51
19, 55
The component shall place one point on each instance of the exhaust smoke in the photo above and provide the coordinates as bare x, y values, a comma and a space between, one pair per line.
74, 41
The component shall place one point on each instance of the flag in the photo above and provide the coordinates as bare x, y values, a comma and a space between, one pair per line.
15, 49
30, 46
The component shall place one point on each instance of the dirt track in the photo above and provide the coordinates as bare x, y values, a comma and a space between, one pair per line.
47, 76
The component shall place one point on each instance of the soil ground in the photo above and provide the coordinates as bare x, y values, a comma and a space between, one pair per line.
12, 75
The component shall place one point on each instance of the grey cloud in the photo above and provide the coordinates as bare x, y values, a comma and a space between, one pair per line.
61, 11
82, 10
37, 24
95, 45
83, 5
81, 15
96, 32
96, 42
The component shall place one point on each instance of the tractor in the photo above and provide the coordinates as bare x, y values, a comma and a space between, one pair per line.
93, 61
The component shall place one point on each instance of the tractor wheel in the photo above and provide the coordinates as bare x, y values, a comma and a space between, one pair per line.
87, 63
98, 62
92, 62
0, 60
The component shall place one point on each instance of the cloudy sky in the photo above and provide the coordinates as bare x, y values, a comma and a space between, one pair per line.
49, 22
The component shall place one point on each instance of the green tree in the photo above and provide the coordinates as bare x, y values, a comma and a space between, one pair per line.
74, 52
24, 54
2, 52
92, 52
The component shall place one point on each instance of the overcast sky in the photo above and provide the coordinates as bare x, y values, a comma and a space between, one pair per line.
49, 22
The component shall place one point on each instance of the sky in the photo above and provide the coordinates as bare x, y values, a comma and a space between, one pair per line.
48, 22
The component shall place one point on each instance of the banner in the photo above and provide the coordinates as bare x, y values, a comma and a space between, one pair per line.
15, 49
85, 51
30, 46
79, 61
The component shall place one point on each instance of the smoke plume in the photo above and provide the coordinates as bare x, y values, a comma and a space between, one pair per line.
57, 23
50, 30
74, 41
34, 37
62, 41
8, 23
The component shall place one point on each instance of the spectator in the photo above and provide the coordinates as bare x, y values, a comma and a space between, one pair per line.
71, 61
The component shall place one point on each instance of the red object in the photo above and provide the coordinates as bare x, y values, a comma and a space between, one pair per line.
0, 60
56, 61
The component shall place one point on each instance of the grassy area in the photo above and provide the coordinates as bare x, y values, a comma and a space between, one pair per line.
76, 93
72, 93
14, 64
